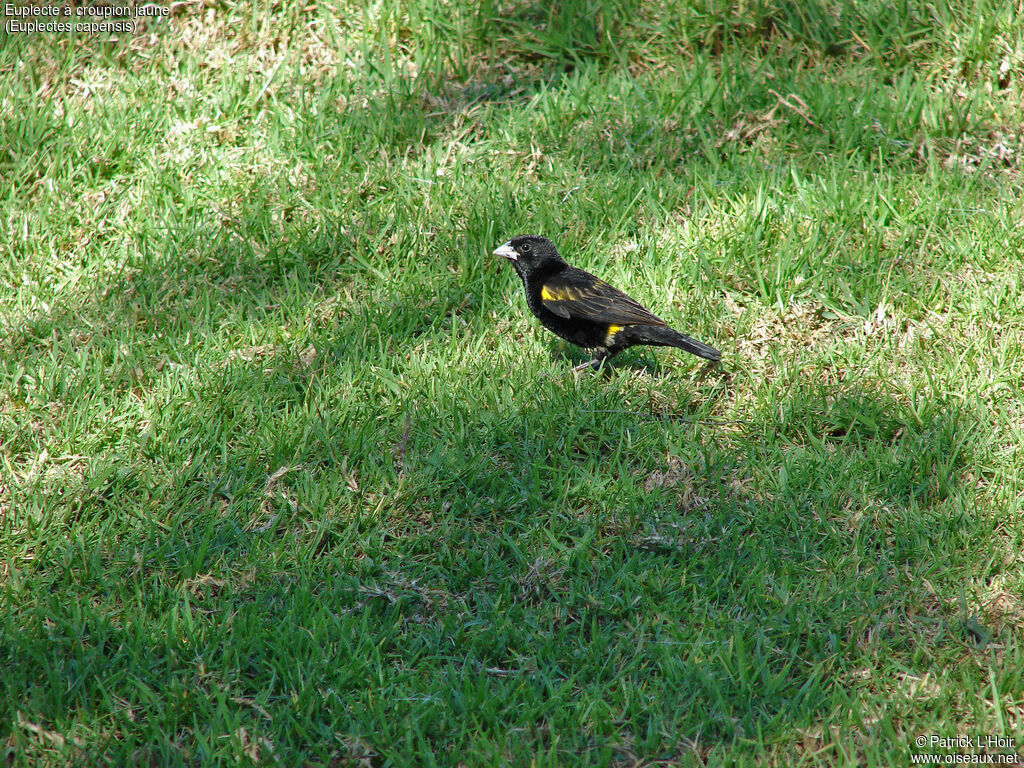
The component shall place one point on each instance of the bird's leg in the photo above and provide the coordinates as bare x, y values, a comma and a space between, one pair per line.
600, 355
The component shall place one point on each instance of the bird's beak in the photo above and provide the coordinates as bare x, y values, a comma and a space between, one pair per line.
506, 250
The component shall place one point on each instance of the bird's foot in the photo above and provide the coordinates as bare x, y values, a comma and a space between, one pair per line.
594, 365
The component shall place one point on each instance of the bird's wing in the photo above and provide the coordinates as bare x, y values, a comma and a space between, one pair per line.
574, 293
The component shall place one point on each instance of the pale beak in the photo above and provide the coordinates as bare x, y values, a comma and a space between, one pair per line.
506, 250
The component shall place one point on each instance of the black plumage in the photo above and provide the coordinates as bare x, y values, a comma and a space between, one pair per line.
585, 310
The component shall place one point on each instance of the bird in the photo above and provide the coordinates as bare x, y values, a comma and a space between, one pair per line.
585, 310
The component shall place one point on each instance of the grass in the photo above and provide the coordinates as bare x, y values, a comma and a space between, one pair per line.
288, 476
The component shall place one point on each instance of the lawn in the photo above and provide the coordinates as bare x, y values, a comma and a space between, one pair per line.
290, 476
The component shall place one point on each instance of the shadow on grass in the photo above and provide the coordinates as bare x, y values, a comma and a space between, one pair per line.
745, 611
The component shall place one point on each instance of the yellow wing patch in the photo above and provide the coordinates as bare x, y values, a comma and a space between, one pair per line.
612, 330
560, 294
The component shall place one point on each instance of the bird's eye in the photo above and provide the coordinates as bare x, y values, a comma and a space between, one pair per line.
524, 248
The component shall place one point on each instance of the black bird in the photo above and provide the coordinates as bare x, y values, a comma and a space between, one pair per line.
585, 310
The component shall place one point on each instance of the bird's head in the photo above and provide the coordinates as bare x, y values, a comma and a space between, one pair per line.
530, 253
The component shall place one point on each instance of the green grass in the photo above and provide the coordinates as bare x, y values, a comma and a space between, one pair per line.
289, 476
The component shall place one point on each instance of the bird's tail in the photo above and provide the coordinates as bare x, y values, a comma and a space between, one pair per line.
667, 337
